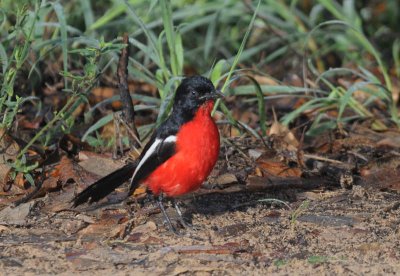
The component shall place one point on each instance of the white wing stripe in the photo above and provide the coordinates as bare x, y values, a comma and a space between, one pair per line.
151, 150
170, 139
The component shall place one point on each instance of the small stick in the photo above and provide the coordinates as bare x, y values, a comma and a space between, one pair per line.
128, 112
320, 158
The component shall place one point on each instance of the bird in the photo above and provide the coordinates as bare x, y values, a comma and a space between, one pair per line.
180, 154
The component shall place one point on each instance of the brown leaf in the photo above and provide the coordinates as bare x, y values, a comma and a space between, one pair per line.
279, 130
141, 191
108, 226
67, 171
9, 150
112, 223
98, 164
26, 123
15, 215
227, 178
265, 80
142, 234
276, 168
387, 177
149, 226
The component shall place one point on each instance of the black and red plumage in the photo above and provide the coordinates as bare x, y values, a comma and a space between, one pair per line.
181, 152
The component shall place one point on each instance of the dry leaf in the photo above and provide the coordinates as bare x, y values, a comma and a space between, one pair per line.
227, 178
15, 215
9, 150
279, 130
276, 168
98, 164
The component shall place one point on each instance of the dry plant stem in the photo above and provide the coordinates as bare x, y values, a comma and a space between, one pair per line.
320, 158
118, 141
128, 112
276, 183
238, 149
130, 131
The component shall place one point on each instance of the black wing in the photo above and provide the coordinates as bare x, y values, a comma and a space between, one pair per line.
159, 149
156, 152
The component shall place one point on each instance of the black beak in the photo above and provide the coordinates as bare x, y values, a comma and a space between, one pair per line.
214, 95
219, 94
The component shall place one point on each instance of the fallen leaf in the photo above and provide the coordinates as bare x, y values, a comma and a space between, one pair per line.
67, 171
148, 227
276, 168
387, 177
255, 153
9, 150
140, 191
15, 215
97, 164
4, 229
279, 130
227, 178
265, 80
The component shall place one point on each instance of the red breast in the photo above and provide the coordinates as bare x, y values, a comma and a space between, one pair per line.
197, 152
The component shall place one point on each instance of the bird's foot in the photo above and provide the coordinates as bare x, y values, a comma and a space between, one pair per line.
181, 219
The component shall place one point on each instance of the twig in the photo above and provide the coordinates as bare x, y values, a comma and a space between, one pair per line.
320, 158
204, 249
128, 111
277, 183
131, 131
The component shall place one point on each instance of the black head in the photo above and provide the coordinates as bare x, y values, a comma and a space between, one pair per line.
193, 92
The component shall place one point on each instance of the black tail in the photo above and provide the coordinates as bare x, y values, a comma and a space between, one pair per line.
106, 185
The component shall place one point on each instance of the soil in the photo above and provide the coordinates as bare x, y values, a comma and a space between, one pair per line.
246, 220
321, 231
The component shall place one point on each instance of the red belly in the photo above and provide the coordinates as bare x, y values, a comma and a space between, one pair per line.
197, 152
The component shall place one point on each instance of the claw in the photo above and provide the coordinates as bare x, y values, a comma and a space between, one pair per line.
182, 220
170, 225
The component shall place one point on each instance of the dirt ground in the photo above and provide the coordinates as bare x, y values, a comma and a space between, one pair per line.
336, 231
244, 223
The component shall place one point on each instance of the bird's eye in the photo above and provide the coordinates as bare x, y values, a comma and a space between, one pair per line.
194, 92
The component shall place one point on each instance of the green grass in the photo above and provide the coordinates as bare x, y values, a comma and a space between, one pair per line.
229, 41
316, 259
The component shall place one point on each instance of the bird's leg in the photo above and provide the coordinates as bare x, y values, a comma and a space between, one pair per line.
160, 204
180, 215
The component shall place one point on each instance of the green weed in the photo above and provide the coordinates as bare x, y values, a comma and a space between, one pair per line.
296, 213
219, 39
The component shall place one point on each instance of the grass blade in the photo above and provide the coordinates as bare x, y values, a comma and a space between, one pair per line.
237, 57
261, 105
3, 58
59, 10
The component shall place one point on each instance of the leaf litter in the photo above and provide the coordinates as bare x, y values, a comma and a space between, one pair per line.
240, 226
288, 203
